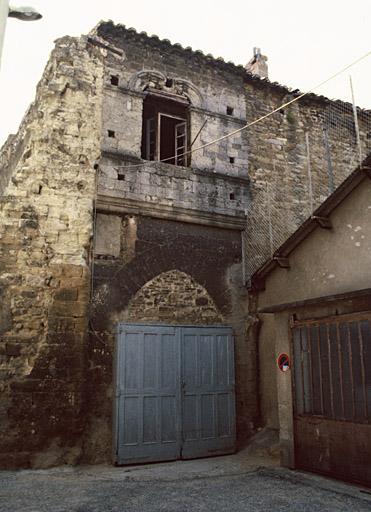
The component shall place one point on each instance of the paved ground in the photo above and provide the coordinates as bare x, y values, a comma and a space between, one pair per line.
234, 483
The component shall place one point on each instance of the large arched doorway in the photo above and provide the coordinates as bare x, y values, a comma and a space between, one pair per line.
174, 382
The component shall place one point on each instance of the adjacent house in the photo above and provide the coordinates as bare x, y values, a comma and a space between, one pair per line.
314, 301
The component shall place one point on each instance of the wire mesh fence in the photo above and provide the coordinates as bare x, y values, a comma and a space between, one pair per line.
300, 171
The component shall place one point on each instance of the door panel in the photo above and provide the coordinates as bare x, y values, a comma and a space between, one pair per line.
174, 393
148, 427
332, 427
208, 392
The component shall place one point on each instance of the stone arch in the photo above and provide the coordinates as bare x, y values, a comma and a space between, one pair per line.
173, 297
188, 89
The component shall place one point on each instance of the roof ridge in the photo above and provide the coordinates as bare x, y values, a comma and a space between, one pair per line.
221, 62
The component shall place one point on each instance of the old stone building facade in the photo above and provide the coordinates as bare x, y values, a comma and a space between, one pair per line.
106, 217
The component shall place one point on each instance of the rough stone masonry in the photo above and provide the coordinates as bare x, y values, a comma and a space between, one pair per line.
94, 230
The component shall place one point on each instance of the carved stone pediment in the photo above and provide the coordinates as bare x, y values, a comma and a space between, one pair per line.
157, 81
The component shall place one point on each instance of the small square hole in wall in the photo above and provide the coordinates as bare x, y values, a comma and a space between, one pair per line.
114, 80
111, 134
231, 196
121, 177
231, 159
169, 82
230, 111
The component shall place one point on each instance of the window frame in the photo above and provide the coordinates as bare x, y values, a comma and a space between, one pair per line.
162, 108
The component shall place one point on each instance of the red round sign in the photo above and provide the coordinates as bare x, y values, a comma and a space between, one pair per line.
283, 362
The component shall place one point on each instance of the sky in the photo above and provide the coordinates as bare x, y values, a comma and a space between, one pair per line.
306, 41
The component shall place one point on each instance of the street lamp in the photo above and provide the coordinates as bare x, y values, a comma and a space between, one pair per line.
24, 13
21, 13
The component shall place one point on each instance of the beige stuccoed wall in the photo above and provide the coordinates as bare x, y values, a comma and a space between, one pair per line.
284, 392
267, 372
328, 261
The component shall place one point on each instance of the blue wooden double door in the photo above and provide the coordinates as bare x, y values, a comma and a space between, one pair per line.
175, 393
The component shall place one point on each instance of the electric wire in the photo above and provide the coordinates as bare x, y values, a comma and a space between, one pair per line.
252, 123
192, 150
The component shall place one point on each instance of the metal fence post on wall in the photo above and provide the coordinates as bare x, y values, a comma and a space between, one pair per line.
356, 125
310, 190
269, 205
330, 172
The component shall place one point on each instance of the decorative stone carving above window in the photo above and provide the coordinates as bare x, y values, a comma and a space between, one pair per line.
152, 79
186, 88
147, 78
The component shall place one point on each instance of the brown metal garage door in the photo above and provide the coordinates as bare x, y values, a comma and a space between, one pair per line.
332, 396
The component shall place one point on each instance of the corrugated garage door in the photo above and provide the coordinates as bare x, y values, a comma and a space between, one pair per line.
332, 389
174, 393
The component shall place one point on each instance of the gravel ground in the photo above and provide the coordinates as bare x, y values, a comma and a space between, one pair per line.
164, 488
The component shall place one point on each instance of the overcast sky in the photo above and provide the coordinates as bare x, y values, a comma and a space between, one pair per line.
305, 41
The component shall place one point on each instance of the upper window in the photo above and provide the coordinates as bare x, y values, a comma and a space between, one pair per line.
165, 130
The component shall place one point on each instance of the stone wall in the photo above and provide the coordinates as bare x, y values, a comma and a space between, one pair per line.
168, 188
217, 182
168, 239
45, 230
147, 61
278, 150
169, 262
13, 149
175, 298
270, 155
164, 272
278, 161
